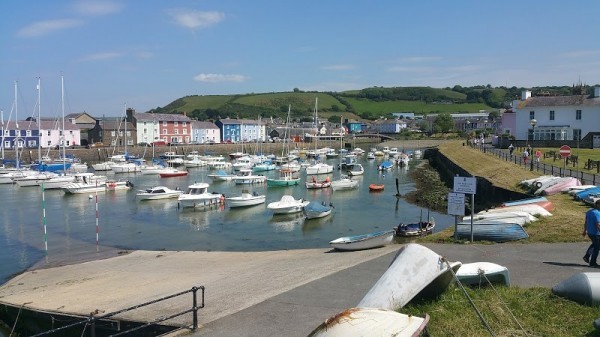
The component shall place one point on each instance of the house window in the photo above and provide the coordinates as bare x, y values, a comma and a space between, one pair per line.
185, 131
176, 131
165, 123
578, 115
531, 115
48, 133
7, 133
551, 115
164, 131
28, 133
113, 133
576, 134
184, 123
175, 123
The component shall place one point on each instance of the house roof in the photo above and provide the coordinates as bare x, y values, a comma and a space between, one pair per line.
240, 121
43, 125
115, 125
203, 125
144, 116
574, 100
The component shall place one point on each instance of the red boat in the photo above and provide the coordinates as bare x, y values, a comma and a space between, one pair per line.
168, 173
376, 187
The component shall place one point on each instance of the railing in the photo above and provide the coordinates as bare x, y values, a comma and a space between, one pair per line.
93, 319
543, 168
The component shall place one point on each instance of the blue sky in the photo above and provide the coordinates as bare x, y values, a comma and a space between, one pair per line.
145, 54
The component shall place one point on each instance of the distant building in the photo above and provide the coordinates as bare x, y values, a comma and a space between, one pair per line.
169, 128
238, 130
573, 117
205, 132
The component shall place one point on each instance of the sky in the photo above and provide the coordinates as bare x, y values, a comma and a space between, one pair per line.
144, 54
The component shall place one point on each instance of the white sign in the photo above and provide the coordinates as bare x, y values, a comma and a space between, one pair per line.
465, 185
456, 204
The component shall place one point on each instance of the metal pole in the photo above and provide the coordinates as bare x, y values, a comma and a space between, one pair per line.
472, 211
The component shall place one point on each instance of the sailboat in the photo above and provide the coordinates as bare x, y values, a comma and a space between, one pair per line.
318, 167
61, 180
125, 167
344, 182
287, 176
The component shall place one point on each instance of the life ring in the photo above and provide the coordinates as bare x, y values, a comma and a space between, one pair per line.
538, 184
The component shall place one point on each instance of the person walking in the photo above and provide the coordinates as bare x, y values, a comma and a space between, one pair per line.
525, 156
592, 229
511, 149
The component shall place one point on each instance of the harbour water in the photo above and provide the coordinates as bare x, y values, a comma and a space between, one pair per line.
74, 229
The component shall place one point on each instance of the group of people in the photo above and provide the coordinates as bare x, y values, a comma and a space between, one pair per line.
526, 153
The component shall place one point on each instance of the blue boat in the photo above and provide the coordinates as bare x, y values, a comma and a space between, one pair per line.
583, 194
495, 232
50, 167
385, 165
315, 210
524, 201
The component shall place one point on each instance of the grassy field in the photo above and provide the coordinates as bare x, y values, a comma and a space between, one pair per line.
564, 225
510, 311
412, 106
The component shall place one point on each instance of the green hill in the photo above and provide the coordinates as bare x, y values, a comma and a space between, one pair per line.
369, 103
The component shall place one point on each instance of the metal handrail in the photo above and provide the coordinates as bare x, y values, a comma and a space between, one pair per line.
91, 321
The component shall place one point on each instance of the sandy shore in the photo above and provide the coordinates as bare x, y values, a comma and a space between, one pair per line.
233, 281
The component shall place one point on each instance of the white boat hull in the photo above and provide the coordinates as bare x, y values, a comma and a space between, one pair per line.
416, 271
360, 242
360, 322
245, 200
479, 273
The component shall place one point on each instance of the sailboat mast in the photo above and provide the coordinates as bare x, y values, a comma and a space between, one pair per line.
62, 106
125, 134
39, 88
2, 145
17, 131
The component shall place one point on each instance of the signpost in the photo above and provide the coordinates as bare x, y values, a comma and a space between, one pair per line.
466, 185
565, 151
456, 207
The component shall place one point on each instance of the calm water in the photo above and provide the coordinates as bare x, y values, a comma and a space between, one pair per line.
126, 223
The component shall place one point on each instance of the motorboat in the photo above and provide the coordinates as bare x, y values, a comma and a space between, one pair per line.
385, 165
118, 185
245, 199
315, 184
356, 170
316, 209
344, 183
158, 192
197, 195
246, 177
126, 167
286, 178
221, 175
319, 168
34, 179
86, 182
287, 204
172, 172
420, 228
363, 241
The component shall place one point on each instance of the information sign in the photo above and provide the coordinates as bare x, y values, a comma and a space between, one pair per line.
465, 185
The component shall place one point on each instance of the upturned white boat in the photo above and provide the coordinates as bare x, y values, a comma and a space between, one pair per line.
582, 288
287, 204
197, 195
364, 241
245, 199
158, 192
356, 170
416, 272
482, 273
360, 322
532, 209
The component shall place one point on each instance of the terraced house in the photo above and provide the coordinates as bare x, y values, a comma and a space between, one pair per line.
167, 128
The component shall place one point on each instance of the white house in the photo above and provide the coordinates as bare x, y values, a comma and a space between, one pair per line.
205, 132
390, 125
556, 117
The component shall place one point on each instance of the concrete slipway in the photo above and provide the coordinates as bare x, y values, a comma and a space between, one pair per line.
257, 293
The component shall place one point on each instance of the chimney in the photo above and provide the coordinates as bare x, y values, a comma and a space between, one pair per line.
597, 91
525, 94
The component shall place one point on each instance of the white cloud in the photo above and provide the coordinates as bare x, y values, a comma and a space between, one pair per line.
196, 19
217, 78
96, 7
42, 28
102, 56
404, 69
339, 67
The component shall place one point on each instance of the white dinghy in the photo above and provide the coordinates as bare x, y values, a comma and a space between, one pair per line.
480, 273
416, 272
